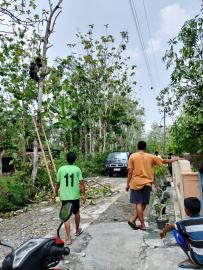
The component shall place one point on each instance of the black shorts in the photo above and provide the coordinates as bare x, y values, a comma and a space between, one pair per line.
140, 195
75, 205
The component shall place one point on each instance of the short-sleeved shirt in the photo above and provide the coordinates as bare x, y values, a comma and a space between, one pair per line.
192, 228
143, 169
69, 177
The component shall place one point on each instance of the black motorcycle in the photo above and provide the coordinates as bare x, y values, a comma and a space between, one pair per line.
39, 253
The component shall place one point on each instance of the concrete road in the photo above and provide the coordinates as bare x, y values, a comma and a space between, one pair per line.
110, 244
107, 240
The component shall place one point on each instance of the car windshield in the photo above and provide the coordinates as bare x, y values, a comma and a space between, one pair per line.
117, 156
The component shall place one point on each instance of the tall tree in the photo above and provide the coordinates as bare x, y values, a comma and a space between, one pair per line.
94, 88
155, 138
185, 57
185, 92
24, 37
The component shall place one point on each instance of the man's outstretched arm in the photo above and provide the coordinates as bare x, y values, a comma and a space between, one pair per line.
169, 161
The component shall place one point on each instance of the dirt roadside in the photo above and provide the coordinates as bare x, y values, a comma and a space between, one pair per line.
42, 220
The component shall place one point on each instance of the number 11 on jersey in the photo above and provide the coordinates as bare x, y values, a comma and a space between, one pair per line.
67, 176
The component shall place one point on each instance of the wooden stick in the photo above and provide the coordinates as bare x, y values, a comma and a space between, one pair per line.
49, 150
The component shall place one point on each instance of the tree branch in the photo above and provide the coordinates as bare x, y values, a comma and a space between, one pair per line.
50, 5
48, 27
54, 22
11, 15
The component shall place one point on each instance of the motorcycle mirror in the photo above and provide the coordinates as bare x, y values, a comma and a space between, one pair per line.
65, 212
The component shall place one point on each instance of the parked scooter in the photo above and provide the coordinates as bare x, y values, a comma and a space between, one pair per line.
39, 253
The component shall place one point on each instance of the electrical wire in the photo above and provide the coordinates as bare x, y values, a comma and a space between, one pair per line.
137, 24
151, 44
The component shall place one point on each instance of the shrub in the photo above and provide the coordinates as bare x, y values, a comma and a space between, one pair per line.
160, 174
93, 165
13, 192
42, 179
90, 165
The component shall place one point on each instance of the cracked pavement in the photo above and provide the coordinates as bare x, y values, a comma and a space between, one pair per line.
107, 240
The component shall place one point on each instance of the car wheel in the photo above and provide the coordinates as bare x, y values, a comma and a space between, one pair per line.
110, 174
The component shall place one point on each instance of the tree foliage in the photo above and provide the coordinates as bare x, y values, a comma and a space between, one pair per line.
86, 103
91, 94
185, 92
186, 134
155, 139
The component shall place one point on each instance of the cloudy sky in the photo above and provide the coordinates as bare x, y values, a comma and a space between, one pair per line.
165, 20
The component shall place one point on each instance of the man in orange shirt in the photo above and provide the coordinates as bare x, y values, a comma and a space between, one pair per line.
140, 181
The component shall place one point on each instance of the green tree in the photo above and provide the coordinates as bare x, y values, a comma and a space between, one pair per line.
184, 94
92, 94
155, 138
26, 36
185, 135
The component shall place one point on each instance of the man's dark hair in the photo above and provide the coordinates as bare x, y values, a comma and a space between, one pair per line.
71, 157
141, 145
156, 153
192, 204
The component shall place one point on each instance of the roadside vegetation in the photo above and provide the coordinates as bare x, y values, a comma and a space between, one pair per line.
84, 100
183, 97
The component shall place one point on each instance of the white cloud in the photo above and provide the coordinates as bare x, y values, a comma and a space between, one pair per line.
172, 18
154, 45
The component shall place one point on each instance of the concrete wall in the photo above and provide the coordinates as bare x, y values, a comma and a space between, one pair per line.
185, 185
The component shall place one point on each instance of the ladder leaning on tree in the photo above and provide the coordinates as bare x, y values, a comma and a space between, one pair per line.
37, 127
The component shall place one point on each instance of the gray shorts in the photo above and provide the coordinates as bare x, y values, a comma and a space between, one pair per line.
140, 195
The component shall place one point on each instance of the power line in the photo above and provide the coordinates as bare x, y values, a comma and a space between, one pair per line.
136, 21
150, 41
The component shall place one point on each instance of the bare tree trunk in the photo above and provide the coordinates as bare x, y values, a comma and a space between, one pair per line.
35, 143
100, 135
104, 139
1, 163
35, 161
86, 144
71, 140
80, 144
90, 141
93, 144
65, 144
24, 141
50, 23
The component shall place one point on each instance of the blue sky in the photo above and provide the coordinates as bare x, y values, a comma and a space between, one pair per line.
165, 17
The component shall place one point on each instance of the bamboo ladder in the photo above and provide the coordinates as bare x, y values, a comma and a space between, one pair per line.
43, 152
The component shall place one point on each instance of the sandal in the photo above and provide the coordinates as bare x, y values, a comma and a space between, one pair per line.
140, 228
186, 265
79, 233
68, 242
132, 225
